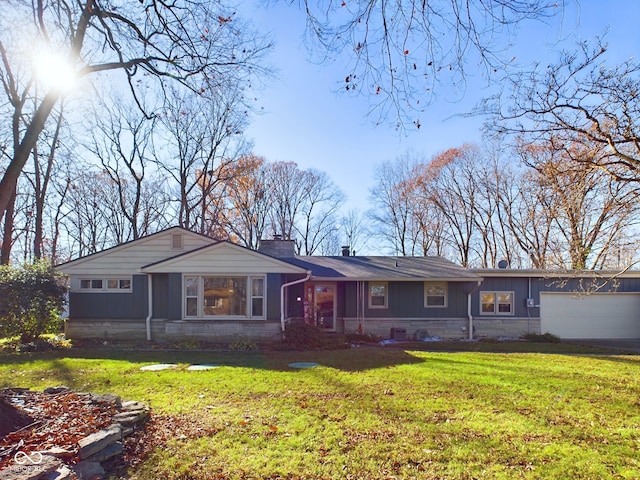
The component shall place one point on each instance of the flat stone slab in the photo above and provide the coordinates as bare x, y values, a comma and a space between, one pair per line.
92, 444
158, 366
89, 470
129, 418
303, 365
204, 366
132, 405
30, 467
107, 452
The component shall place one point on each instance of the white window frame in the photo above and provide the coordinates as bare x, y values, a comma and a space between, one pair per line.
253, 296
385, 297
124, 284
200, 297
496, 303
445, 295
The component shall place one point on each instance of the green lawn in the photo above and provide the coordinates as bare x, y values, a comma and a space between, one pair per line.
368, 413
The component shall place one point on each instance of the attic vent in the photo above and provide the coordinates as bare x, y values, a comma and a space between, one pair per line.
176, 241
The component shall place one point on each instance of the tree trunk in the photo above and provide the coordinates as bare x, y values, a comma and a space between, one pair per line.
7, 233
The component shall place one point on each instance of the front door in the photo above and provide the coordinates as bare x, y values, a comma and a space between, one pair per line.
324, 306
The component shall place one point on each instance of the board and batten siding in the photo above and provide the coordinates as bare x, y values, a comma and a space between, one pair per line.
130, 305
167, 296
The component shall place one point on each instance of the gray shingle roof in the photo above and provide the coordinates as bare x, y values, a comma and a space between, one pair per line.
383, 268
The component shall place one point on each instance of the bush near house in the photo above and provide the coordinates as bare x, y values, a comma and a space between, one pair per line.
32, 298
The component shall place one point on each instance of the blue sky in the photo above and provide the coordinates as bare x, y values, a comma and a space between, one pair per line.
305, 121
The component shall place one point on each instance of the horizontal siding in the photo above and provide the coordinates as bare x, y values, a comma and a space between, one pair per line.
128, 258
225, 259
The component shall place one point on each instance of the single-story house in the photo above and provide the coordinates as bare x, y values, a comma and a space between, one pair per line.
177, 285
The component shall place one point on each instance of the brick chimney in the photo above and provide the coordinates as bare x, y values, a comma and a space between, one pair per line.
278, 247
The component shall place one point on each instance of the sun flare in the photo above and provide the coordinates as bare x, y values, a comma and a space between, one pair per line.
54, 72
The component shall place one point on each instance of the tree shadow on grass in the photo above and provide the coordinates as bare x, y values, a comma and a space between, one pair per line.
352, 360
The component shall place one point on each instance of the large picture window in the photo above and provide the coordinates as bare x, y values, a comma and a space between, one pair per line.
224, 296
496, 303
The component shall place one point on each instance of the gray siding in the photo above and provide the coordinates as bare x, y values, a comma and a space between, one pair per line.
167, 296
273, 296
175, 297
161, 295
524, 287
406, 300
115, 306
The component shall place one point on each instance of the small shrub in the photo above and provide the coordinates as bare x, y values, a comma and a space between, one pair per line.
38, 345
303, 336
243, 345
363, 338
541, 338
187, 345
32, 298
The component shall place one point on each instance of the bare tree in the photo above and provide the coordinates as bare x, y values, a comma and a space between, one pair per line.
354, 231
196, 43
401, 52
318, 222
590, 209
199, 144
456, 195
527, 219
121, 140
287, 184
578, 100
392, 207
88, 203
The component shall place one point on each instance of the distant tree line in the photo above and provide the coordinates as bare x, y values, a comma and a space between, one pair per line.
157, 137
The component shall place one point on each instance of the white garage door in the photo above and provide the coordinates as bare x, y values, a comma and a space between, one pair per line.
599, 315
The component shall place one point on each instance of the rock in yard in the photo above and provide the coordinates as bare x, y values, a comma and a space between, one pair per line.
129, 418
132, 405
56, 390
30, 467
107, 452
62, 473
89, 470
95, 442
109, 398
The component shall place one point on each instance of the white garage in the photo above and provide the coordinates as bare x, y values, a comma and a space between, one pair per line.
598, 315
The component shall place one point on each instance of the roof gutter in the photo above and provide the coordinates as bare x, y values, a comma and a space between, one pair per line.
469, 315
149, 306
282, 288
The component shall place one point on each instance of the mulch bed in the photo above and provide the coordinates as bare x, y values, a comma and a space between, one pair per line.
57, 421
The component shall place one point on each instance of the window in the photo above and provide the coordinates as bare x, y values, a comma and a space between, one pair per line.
191, 288
377, 294
496, 303
118, 284
257, 297
435, 294
224, 296
105, 285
